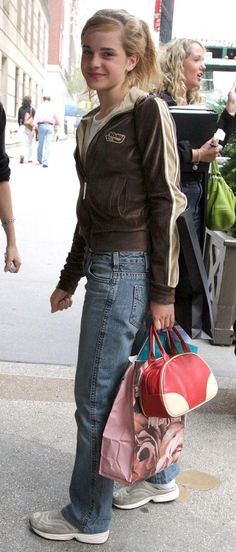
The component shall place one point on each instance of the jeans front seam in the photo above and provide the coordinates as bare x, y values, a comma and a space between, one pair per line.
93, 448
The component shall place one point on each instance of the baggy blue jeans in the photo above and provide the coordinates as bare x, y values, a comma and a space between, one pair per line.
115, 306
45, 137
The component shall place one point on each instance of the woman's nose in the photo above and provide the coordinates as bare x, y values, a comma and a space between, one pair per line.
95, 60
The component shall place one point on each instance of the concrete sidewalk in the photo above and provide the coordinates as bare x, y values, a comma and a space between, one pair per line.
37, 450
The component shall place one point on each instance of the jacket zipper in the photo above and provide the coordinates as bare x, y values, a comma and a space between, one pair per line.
85, 189
81, 166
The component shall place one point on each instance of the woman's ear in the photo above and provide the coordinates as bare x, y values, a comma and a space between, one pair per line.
132, 62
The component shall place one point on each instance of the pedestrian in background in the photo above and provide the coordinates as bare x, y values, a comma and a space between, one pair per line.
46, 121
126, 243
182, 63
25, 120
12, 258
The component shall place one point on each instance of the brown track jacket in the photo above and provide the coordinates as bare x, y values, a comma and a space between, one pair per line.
129, 191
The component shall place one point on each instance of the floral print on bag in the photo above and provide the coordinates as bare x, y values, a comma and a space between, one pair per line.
158, 441
135, 447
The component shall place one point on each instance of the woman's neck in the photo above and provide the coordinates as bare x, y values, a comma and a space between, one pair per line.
108, 103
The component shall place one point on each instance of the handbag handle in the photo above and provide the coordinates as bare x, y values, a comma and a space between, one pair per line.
154, 334
184, 345
215, 168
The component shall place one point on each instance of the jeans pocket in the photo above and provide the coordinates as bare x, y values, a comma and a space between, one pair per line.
139, 305
99, 272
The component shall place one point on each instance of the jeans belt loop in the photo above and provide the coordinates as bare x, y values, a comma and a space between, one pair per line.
147, 262
115, 261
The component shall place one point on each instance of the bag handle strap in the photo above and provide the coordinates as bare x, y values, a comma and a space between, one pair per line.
153, 334
171, 343
184, 345
214, 168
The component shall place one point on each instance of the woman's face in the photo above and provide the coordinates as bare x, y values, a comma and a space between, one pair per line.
194, 67
104, 62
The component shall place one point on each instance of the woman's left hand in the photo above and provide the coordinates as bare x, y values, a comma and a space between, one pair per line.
12, 260
163, 316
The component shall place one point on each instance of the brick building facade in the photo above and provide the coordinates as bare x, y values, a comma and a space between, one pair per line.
24, 30
38, 52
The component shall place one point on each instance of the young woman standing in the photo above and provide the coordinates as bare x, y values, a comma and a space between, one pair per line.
125, 243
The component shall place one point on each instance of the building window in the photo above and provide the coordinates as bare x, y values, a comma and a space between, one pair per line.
39, 35
19, 14
24, 85
17, 89
207, 81
26, 20
6, 5
32, 26
4, 79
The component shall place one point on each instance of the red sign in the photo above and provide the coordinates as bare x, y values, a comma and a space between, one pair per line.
157, 15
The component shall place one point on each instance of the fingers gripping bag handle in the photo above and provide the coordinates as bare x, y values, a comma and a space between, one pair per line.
153, 336
173, 350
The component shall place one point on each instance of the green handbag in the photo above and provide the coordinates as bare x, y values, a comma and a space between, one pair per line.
221, 202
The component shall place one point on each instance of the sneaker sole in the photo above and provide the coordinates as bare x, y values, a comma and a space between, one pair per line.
96, 538
170, 496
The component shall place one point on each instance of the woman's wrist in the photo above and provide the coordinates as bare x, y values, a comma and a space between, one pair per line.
195, 158
8, 221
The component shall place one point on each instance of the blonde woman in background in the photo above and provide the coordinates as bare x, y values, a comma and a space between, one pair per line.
182, 63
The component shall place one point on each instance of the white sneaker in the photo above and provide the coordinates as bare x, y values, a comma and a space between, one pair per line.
53, 526
141, 493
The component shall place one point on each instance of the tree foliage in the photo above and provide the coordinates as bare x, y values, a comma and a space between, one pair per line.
76, 86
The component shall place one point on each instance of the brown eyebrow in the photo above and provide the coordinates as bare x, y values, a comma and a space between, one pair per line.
102, 49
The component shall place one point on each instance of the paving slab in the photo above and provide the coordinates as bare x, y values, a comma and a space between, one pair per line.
37, 451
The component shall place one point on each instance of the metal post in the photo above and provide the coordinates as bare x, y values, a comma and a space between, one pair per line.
167, 9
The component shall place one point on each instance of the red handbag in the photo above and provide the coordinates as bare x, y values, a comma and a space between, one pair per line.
175, 383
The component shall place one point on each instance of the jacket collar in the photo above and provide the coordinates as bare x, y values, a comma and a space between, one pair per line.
126, 105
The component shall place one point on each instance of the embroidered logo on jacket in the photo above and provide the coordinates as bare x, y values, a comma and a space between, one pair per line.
115, 137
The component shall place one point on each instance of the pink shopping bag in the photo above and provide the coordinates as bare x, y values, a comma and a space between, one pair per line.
135, 447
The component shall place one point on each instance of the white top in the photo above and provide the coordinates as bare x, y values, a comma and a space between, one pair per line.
96, 125
46, 113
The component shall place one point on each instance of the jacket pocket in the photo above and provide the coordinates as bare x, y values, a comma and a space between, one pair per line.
109, 197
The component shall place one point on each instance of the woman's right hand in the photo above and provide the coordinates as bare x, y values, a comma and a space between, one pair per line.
207, 153
60, 300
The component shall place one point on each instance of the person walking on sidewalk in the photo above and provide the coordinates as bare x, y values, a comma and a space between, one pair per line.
25, 120
45, 121
125, 243
12, 258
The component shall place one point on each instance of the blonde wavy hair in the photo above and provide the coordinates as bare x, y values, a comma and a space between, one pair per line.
136, 40
172, 56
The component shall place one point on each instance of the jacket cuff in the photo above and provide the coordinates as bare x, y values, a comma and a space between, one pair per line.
67, 286
162, 295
